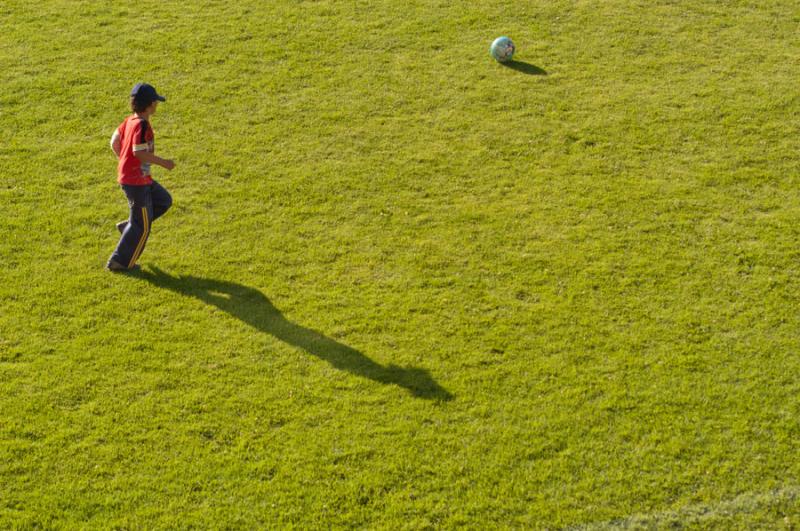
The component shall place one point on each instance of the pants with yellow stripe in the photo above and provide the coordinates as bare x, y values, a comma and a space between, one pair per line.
147, 203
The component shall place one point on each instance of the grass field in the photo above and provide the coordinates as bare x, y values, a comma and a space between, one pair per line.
403, 286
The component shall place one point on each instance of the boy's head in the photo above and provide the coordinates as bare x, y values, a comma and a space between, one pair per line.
143, 96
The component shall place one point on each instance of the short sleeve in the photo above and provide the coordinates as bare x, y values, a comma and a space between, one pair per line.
139, 133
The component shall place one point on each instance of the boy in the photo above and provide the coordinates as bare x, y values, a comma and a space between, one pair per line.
133, 143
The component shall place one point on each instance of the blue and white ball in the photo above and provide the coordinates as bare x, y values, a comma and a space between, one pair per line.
502, 49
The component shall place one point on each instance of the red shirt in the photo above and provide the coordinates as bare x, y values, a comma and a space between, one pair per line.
135, 134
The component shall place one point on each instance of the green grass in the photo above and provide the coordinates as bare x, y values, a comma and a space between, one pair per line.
403, 286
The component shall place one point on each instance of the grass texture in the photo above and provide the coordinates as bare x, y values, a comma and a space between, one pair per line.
403, 286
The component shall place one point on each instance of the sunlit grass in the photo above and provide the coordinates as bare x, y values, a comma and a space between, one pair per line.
403, 286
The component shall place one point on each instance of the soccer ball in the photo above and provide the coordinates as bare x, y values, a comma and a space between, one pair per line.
502, 49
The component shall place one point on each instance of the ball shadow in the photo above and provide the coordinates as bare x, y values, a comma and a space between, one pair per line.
525, 68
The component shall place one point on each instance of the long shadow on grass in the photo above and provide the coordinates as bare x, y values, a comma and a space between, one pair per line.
252, 307
525, 68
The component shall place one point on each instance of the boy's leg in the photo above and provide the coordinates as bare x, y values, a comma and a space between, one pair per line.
161, 199
134, 237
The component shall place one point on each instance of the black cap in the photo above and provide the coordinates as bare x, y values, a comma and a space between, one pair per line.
146, 94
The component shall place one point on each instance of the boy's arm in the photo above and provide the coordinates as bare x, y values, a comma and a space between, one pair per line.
151, 158
115, 143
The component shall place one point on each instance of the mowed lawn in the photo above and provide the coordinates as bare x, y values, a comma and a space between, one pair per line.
403, 286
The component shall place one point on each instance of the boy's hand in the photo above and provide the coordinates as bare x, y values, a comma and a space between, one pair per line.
151, 158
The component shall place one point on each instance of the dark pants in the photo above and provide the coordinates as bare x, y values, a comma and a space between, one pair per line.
147, 203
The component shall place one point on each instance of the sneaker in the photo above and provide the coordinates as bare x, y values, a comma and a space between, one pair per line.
116, 267
121, 226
